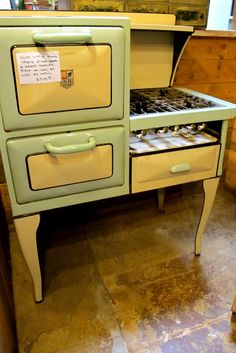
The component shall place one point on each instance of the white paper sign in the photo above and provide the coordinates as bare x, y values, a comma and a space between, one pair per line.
35, 67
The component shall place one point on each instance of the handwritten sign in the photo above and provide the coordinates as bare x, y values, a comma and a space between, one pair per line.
35, 67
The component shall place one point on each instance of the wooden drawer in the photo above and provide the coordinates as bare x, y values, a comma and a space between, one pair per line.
171, 168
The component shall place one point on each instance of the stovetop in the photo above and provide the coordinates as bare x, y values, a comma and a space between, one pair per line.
162, 100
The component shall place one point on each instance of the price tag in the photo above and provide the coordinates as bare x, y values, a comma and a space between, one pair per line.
36, 67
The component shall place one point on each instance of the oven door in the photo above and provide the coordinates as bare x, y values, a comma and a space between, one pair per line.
61, 75
78, 162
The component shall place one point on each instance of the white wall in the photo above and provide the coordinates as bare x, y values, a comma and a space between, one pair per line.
64, 4
219, 14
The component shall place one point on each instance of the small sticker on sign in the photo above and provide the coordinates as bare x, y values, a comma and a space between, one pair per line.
35, 67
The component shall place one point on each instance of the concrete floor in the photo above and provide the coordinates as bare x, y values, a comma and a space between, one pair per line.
121, 277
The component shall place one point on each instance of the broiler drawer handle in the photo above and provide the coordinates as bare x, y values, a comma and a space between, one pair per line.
181, 167
62, 37
71, 148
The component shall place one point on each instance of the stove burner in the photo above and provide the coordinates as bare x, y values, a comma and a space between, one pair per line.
161, 100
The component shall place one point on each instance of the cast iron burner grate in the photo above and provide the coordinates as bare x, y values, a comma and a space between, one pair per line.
161, 100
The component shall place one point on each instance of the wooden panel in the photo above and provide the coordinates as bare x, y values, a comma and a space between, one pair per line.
225, 90
230, 179
201, 71
231, 163
210, 48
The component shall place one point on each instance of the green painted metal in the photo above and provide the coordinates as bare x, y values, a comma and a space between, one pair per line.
71, 148
62, 37
21, 136
24, 135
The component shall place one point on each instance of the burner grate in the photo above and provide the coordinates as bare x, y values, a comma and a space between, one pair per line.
162, 100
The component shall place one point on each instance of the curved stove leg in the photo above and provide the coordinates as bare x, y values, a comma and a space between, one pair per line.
210, 188
161, 199
26, 229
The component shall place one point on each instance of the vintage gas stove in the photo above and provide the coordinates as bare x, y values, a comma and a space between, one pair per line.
88, 114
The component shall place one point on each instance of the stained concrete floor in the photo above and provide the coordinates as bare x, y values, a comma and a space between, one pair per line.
121, 277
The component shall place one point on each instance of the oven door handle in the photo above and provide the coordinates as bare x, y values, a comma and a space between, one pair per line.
62, 37
71, 148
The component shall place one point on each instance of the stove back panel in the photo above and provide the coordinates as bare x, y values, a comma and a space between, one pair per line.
151, 58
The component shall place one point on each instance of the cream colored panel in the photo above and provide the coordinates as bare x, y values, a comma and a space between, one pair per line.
154, 171
91, 86
135, 18
151, 59
47, 171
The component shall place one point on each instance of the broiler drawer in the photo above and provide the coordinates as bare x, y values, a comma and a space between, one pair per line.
171, 168
47, 170
54, 165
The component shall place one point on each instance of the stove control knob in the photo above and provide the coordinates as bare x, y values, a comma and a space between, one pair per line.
176, 128
164, 130
191, 127
202, 126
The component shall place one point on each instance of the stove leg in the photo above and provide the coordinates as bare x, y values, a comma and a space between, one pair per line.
161, 199
210, 188
26, 229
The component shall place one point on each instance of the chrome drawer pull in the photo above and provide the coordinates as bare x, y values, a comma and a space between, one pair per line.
62, 37
182, 167
71, 148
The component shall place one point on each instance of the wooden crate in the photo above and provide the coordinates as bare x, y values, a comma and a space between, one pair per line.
98, 5
147, 6
192, 13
